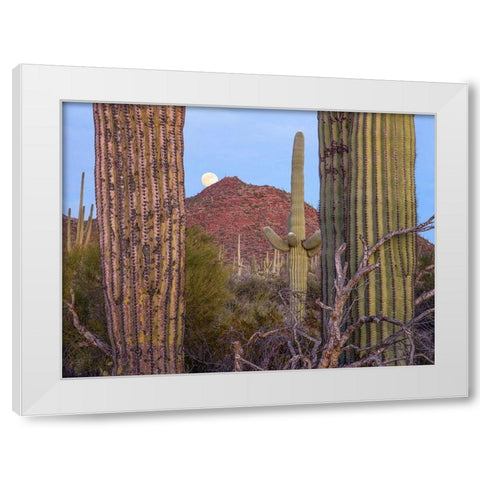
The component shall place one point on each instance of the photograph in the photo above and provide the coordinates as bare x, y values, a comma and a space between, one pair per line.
214, 239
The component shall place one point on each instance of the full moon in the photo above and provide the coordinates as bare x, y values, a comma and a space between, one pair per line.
209, 178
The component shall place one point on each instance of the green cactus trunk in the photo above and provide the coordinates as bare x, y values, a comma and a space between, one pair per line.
333, 131
374, 196
381, 199
139, 184
297, 257
299, 249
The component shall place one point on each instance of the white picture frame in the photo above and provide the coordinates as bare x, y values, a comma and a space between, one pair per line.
38, 387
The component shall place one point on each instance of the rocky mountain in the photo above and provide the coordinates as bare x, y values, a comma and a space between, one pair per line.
231, 208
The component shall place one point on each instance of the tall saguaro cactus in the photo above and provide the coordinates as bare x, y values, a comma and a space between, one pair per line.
139, 186
374, 195
333, 132
381, 199
298, 248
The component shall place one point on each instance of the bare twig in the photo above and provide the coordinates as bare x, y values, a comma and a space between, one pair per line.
250, 364
324, 306
91, 338
239, 360
425, 296
421, 227
425, 357
293, 362
421, 273
265, 334
420, 316
237, 356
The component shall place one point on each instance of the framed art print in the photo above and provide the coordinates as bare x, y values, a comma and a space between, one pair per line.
205, 240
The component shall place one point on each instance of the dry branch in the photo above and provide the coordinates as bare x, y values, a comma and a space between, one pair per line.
336, 341
425, 296
421, 273
91, 338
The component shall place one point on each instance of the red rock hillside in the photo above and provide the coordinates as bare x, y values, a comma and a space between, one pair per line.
231, 207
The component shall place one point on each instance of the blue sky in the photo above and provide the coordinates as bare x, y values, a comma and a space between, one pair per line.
254, 145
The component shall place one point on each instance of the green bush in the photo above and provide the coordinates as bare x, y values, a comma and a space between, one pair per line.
82, 274
206, 294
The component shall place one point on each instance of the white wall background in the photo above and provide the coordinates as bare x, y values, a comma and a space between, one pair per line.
407, 40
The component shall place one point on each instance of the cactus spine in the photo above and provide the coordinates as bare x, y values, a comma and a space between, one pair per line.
299, 249
139, 184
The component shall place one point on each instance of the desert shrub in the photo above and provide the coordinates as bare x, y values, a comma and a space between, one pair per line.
82, 274
206, 295
256, 304
426, 281
424, 330
258, 307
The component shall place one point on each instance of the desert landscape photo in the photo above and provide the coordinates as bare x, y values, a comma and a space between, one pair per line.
207, 240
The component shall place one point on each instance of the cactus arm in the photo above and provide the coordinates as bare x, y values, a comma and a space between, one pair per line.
313, 241
275, 240
313, 244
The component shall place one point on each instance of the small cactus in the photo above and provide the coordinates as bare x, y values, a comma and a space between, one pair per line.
298, 248
80, 238
239, 261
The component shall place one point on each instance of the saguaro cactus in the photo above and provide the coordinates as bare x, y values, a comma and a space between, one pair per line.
374, 195
298, 248
333, 132
80, 239
381, 199
139, 184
